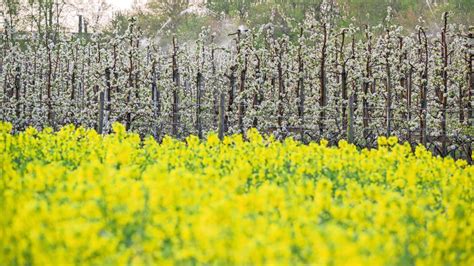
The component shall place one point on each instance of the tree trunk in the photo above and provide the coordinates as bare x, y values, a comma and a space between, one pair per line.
175, 107
322, 82
300, 93
424, 85
366, 85
444, 74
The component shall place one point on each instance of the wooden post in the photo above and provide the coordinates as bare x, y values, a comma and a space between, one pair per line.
85, 27
79, 29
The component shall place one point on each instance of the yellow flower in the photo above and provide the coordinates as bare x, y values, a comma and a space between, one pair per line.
254, 136
212, 139
192, 141
77, 197
392, 140
323, 142
382, 141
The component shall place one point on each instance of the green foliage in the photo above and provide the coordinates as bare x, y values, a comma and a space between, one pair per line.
237, 8
282, 12
468, 131
119, 23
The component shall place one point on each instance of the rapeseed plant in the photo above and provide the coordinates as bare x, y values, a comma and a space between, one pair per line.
77, 197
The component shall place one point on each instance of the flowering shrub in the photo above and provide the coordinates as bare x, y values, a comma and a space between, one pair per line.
77, 197
314, 81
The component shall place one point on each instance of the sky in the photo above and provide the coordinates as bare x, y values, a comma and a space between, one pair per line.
121, 4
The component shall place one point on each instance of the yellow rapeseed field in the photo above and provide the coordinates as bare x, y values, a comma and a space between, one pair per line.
75, 197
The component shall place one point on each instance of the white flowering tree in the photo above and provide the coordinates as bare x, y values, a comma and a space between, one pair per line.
317, 81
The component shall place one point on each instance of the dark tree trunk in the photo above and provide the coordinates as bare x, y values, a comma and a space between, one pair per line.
444, 96
322, 82
366, 85
423, 42
176, 81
